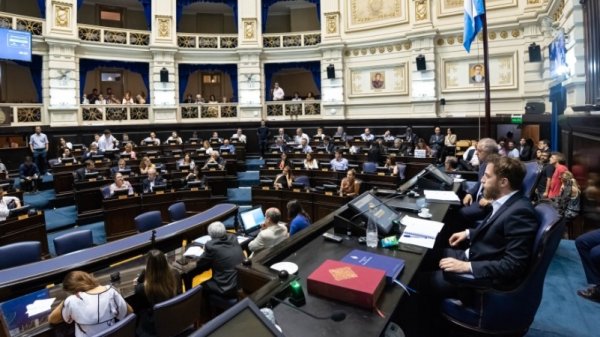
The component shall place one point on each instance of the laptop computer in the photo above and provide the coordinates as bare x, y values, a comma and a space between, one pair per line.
250, 221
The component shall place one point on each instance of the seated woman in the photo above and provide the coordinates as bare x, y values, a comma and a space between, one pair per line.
206, 147
64, 144
127, 99
310, 163
569, 200
350, 186
67, 156
214, 159
186, 160
390, 165
284, 161
300, 219
422, 145
7, 203
146, 165
157, 283
192, 177
284, 179
93, 307
120, 184
129, 151
212, 111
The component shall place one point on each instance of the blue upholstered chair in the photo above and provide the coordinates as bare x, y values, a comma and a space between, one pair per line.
148, 221
177, 211
178, 314
532, 177
369, 167
73, 241
123, 328
401, 171
19, 253
304, 180
511, 312
105, 192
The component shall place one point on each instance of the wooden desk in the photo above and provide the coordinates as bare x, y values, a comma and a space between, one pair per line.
31, 228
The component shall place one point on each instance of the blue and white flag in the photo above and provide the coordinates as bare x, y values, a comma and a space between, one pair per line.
474, 9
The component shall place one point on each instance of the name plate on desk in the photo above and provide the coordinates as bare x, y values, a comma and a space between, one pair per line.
266, 188
98, 161
296, 190
160, 192
23, 216
92, 179
212, 169
297, 168
177, 156
185, 171
122, 197
152, 157
328, 193
325, 169
68, 164
194, 189
274, 152
270, 168
380, 173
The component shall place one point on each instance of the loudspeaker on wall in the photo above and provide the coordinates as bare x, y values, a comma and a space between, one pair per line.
331, 71
164, 75
535, 55
421, 63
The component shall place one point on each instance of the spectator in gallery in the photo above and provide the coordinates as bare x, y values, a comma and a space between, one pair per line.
278, 93
296, 96
310, 96
127, 99
93, 97
140, 98
189, 99
199, 99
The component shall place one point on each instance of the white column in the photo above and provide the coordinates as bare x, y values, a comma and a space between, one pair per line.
163, 45
423, 86
250, 74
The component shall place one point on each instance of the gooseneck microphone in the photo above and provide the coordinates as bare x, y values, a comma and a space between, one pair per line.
336, 315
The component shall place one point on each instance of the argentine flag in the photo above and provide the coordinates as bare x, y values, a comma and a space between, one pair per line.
473, 21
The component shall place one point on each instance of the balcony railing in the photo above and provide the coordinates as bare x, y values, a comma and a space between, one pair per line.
207, 41
25, 23
293, 109
191, 112
285, 40
20, 114
91, 113
114, 35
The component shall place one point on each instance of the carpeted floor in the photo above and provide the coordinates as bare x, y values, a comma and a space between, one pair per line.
97, 229
60, 218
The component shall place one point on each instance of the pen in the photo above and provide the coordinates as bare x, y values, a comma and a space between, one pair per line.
420, 236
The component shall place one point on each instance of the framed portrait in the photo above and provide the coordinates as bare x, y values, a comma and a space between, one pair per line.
388, 80
458, 74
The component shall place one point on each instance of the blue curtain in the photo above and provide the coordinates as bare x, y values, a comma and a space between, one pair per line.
231, 3
147, 4
185, 70
272, 68
141, 68
35, 68
266, 4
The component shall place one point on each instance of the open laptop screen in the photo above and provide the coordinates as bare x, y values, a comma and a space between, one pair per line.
252, 219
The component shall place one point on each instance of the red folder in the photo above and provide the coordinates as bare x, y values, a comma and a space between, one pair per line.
349, 283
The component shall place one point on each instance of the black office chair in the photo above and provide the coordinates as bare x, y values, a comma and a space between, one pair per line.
20, 253
177, 211
531, 179
123, 328
148, 221
177, 316
510, 312
73, 241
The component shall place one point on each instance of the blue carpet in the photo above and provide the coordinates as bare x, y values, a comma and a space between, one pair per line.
562, 312
98, 233
60, 217
248, 178
240, 196
254, 164
40, 199
47, 182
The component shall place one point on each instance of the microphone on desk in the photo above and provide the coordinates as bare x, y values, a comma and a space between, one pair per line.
336, 315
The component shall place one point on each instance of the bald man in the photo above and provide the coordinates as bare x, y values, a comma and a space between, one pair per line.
271, 232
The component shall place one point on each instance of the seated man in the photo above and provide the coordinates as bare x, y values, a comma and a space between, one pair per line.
500, 248
174, 138
279, 146
152, 180
93, 151
271, 232
81, 172
120, 184
7, 203
300, 135
328, 145
367, 136
239, 136
215, 138
121, 166
339, 163
214, 159
227, 146
282, 135
221, 254
304, 147
151, 140
588, 246
30, 175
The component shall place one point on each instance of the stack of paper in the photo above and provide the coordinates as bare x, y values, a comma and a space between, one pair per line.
39, 306
442, 196
193, 251
202, 240
420, 232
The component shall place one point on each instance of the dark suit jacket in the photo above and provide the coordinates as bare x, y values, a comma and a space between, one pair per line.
329, 148
525, 153
80, 174
475, 188
222, 255
157, 181
501, 246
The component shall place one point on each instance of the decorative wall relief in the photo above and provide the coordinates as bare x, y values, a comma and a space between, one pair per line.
388, 80
62, 14
249, 29
459, 74
421, 10
164, 26
454, 7
365, 14
331, 22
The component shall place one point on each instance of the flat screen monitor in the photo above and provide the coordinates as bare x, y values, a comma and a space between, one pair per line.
440, 176
125, 172
266, 182
225, 150
353, 166
16, 212
90, 175
151, 153
97, 157
195, 184
184, 167
297, 164
252, 219
298, 185
5, 187
172, 142
357, 138
67, 160
161, 187
121, 192
149, 142
393, 150
382, 169
15, 314
337, 138
330, 187
382, 214
78, 146
317, 138
212, 165
412, 181
243, 319
193, 140
125, 156
15, 45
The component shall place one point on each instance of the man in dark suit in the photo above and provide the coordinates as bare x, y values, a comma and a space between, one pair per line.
81, 172
221, 254
152, 180
500, 248
328, 145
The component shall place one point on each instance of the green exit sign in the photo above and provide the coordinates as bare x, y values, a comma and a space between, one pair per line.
517, 119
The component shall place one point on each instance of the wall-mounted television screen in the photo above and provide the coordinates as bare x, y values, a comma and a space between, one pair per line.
15, 45
558, 59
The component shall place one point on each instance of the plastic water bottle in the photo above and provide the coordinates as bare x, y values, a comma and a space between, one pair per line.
372, 237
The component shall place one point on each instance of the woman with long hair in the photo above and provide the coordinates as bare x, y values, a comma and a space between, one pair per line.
310, 163
284, 161
146, 165
350, 186
93, 307
284, 179
299, 218
158, 283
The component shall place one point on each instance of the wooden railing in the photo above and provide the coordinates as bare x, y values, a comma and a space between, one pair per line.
286, 40
293, 108
191, 112
20, 22
111, 35
207, 41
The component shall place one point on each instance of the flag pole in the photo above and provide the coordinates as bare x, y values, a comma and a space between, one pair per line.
486, 69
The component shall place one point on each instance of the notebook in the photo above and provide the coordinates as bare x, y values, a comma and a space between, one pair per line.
391, 265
